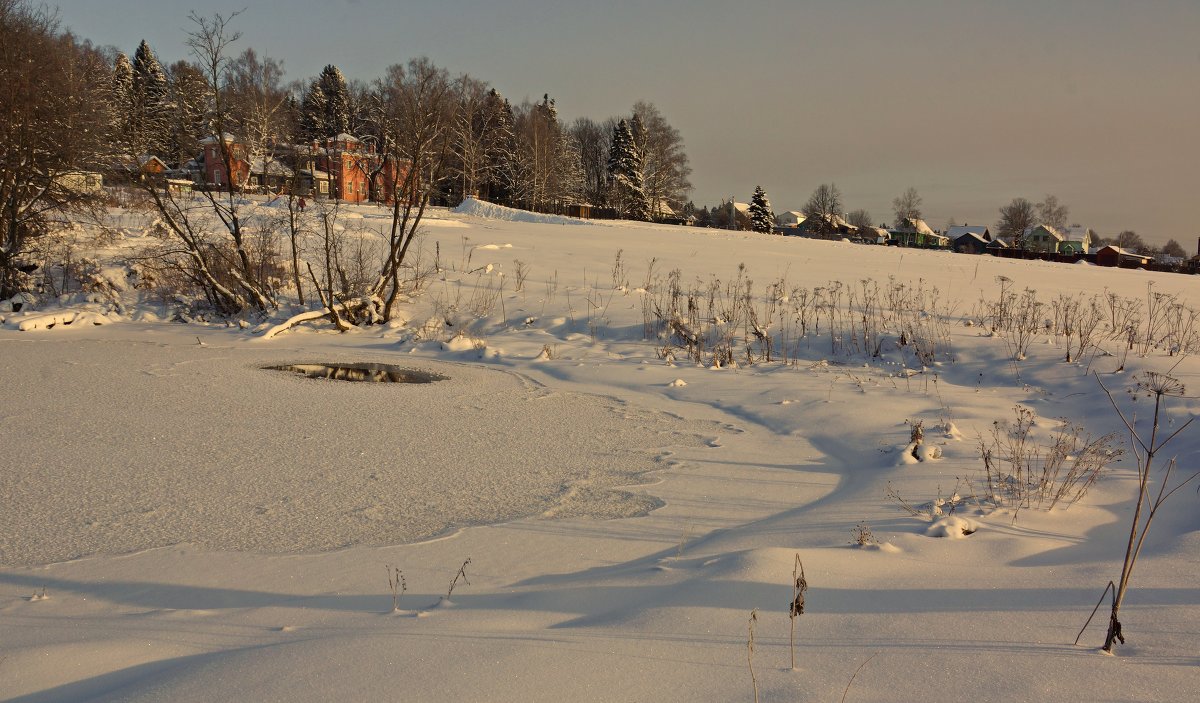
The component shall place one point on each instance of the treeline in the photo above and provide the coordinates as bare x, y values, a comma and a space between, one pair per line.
68, 107
825, 211
521, 155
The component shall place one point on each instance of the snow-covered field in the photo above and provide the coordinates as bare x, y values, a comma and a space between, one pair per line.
204, 529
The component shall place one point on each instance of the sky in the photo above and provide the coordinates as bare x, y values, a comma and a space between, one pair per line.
972, 103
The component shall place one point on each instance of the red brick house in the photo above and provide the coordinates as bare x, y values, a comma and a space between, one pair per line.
215, 172
389, 175
349, 164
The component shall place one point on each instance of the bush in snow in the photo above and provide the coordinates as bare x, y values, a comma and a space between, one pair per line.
1022, 473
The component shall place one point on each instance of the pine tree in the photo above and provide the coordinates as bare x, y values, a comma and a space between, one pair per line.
122, 93
151, 104
191, 97
313, 110
501, 150
761, 218
337, 101
495, 129
625, 174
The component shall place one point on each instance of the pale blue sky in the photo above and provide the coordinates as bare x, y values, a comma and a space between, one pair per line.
973, 103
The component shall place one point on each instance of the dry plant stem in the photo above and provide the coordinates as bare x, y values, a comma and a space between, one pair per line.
462, 573
1110, 587
397, 583
750, 651
796, 609
1158, 386
855, 675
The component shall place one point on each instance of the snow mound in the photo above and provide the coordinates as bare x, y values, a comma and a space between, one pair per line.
52, 320
951, 526
491, 211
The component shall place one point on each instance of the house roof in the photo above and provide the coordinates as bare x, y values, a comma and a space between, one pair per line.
212, 139
345, 137
959, 230
1047, 228
1076, 233
972, 236
916, 224
145, 159
998, 243
271, 168
833, 221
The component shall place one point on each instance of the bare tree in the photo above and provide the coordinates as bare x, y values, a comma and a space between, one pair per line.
223, 262
1051, 212
257, 102
548, 172
593, 140
1015, 218
418, 108
53, 125
1175, 249
907, 206
824, 207
665, 167
1130, 241
860, 218
469, 134
484, 144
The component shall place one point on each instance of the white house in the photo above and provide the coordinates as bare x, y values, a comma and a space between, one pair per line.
791, 218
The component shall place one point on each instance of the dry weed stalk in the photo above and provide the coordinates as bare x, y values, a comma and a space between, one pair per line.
750, 651
796, 608
855, 675
1159, 387
397, 584
862, 534
462, 573
1022, 474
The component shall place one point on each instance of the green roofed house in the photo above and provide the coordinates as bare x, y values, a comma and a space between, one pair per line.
1076, 240
1043, 239
915, 233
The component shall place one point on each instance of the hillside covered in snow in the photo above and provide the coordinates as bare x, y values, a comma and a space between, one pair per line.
635, 436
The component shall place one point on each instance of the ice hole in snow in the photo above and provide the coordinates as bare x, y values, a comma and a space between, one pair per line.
367, 372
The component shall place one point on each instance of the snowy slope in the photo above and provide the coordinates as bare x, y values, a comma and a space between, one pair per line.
204, 529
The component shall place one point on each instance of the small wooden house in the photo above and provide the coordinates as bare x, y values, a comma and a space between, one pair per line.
1117, 257
970, 243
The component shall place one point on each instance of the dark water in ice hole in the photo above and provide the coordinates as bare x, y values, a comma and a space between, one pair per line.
366, 372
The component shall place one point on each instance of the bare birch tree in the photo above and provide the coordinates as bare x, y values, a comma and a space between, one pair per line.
418, 107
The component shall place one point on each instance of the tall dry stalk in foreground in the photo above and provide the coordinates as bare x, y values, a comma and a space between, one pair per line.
796, 609
1157, 386
462, 574
750, 651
